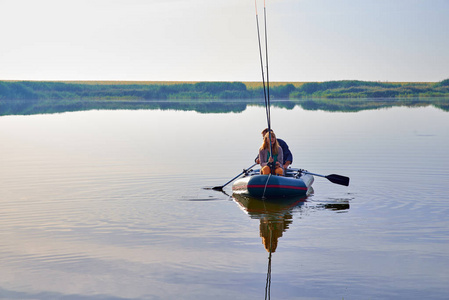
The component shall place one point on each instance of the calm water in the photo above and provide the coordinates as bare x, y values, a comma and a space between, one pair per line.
110, 205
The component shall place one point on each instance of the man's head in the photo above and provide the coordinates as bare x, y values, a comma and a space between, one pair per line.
264, 132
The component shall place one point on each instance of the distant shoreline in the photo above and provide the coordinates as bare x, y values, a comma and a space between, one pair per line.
249, 84
190, 90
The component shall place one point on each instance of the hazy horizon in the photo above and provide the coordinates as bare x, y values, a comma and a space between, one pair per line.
199, 40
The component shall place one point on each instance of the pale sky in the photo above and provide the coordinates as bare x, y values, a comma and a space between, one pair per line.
210, 40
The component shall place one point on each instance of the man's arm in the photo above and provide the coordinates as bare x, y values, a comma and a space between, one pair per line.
288, 156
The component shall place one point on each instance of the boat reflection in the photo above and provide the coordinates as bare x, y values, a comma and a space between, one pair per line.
275, 216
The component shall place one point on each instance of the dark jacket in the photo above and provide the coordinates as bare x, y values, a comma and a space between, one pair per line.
288, 156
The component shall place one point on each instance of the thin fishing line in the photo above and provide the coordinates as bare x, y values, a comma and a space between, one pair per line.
266, 184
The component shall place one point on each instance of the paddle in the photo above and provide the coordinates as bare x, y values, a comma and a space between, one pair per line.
338, 179
219, 188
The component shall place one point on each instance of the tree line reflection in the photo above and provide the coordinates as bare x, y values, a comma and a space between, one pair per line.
32, 107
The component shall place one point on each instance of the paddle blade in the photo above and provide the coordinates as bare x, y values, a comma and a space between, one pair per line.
338, 179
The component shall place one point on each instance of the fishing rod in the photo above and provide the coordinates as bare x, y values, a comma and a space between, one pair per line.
262, 69
266, 88
266, 61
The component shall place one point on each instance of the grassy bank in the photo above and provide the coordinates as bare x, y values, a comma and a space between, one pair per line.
177, 90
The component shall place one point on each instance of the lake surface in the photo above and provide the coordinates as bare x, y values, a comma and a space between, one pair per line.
110, 204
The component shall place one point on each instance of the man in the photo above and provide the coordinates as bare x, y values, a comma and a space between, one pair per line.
288, 157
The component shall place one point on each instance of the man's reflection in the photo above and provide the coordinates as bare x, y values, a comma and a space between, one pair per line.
272, 228
275, 216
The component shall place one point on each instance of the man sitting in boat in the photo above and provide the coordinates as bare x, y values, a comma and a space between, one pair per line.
288, 156
268, 159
